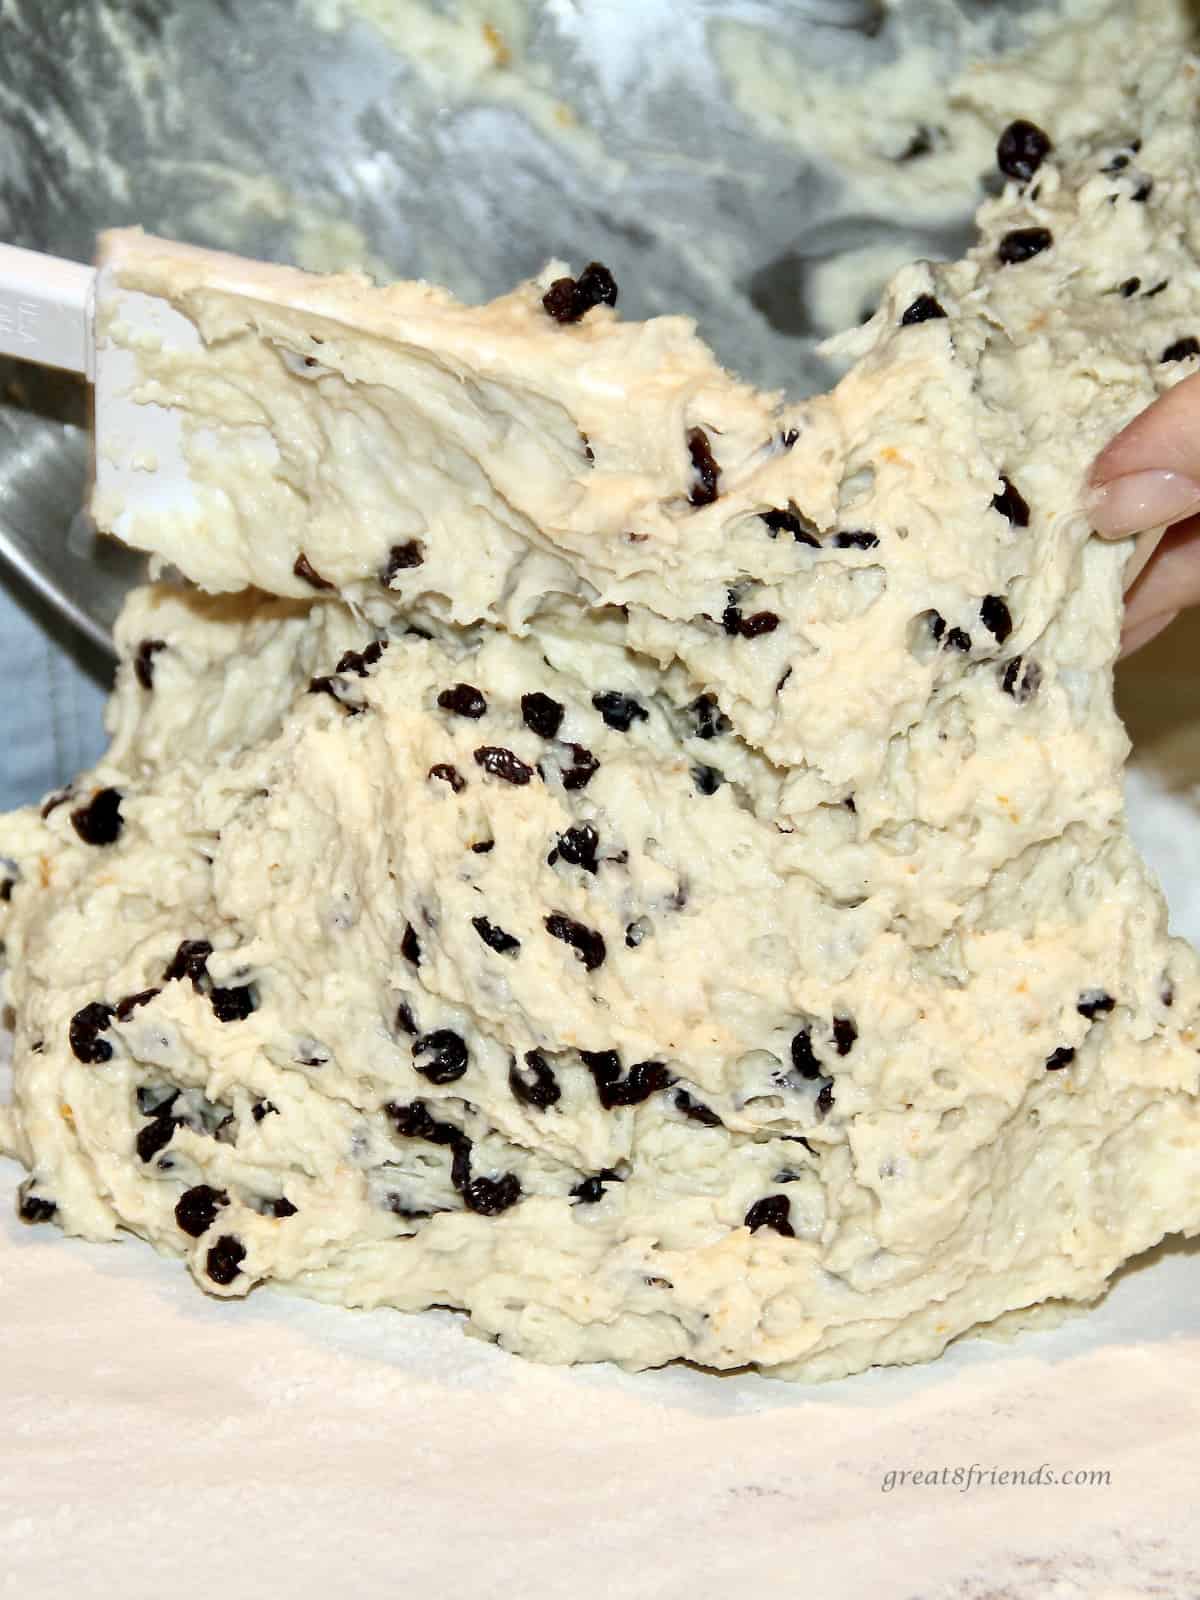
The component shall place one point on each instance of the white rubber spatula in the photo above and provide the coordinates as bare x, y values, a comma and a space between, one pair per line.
46, 310
94, 321
46, 539
50, 314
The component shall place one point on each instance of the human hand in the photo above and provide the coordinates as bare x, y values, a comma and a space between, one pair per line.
1149, 475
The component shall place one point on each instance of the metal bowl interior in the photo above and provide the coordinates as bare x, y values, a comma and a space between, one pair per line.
428, 140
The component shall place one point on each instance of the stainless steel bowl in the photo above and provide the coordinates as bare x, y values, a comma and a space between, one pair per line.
609, 133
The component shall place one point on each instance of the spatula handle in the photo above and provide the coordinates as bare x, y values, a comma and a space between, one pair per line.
46, 310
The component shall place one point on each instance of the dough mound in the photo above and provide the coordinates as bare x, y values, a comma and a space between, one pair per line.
644, 863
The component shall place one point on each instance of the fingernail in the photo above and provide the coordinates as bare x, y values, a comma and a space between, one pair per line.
1142, 632
1142, 500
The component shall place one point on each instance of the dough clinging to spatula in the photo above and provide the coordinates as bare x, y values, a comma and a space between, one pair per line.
657, 879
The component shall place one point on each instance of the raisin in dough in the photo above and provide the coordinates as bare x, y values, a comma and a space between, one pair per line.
655, 874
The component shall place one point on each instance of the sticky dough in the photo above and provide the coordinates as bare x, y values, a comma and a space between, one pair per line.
644, 863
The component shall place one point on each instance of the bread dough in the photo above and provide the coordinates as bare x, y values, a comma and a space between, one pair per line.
655, 876
913, 131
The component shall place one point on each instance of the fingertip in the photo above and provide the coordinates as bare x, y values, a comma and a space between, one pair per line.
1098, 506
1141, 500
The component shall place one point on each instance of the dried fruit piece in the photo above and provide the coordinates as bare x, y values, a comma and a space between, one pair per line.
84, 1033
155, 1136
1021, 679
495, 938
583, 766
196, 1209
587, 943
1022, 244
710, 720
923, 309
234, 1004
126, 1007
643, 1079
448, 773
504, 764
440, 1056
487, 1197
997, 618
33, 1207
304, 570
224, 1260
1095, 1003
708, 474
773, 1211
537, 1086
541, 715
189, 961
402, 558
464, 699
569, 299
577, 847
920, 144
361, 661
1021, 149
596, 286
844, 1035
415, 1122
790, 521
759, 623
1181, 349
559, 300
143, 662
100, 821
620, 711
803, 1059
695, 1111
591, 1189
